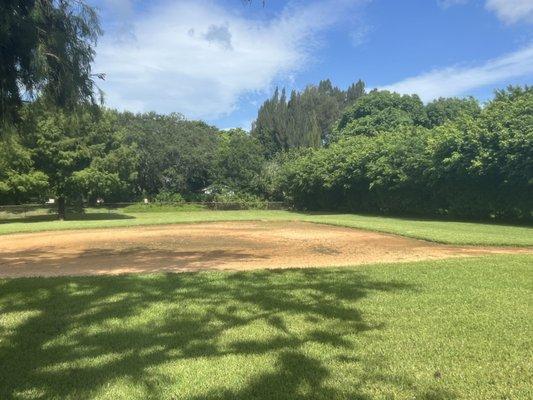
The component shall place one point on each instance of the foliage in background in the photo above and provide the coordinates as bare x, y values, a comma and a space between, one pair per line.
381, 111
305, 119
241, 200
174, 154
169, 197
473, 166
157, 208
239, 160
18, 178
384, 153
443, 110
71, 148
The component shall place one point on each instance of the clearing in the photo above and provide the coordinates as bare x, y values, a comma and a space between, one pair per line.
435, 230
240, 245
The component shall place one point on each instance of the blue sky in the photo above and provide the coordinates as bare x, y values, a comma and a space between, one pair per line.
217, 60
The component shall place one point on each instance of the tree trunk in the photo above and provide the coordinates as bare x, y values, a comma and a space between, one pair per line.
61, 209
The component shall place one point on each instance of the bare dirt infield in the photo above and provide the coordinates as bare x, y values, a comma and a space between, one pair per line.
209, 246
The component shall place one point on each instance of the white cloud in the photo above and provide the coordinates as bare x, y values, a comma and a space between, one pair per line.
511, 11
450, 3
359, 35
457, 80
198, 58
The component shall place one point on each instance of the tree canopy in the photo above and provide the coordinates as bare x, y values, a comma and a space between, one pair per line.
478, 164
305, 119
46, 48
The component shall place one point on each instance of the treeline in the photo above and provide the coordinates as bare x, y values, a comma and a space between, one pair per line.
321, 149
89, 153
393, 154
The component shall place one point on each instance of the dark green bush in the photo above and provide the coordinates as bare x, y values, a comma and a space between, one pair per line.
240, 200
476, 166
169, 197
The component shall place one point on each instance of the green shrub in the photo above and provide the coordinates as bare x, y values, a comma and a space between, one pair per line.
476, 166
159, 207
241, 200
169, 197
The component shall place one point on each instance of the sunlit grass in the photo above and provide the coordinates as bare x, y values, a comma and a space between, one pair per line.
450, 329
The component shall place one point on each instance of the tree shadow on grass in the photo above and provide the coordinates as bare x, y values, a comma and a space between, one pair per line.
73, 338
92, 216
46, 261
527, 223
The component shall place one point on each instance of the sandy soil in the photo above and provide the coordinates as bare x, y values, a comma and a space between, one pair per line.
220, 245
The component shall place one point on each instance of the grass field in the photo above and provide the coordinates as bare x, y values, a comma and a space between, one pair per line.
454, 329
450, 232
451, 329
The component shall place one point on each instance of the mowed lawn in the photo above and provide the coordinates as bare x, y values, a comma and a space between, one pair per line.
451, 232
453, 329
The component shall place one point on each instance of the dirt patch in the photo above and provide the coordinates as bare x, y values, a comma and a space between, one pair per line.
220, 245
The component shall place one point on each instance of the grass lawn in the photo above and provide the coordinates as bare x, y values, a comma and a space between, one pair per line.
454, 329
434, 230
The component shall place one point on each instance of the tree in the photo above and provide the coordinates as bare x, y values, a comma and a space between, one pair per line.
381, 111
239, 161
19, 181
305, 120
174, 154
112, 172
269, 127
484, 166
65, 143
355, 91
46, 48
443, 110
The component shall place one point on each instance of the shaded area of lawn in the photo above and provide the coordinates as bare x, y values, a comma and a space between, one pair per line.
438, 330
76, 217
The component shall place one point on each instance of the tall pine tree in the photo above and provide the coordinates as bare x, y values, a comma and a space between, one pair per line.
306, 119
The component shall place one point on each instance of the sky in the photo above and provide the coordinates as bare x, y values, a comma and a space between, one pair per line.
218, 60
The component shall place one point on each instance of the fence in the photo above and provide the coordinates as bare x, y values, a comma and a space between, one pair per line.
10, 212
49, 211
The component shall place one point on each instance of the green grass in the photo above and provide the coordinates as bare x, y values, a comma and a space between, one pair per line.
454, 329
138, 208
451, 232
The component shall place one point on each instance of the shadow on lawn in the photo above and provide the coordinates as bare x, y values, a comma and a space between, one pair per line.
426, 218
91, 216
80, 334
45, 261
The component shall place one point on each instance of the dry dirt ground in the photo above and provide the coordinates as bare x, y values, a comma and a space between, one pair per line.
208, 246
